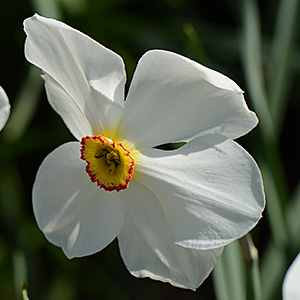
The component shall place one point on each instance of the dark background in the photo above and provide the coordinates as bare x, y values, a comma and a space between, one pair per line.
210, 32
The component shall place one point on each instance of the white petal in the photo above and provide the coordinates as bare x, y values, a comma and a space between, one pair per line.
210, 189
4, 108
90, 74
68, 109
148, 251
291, 282
72, 212
172, 98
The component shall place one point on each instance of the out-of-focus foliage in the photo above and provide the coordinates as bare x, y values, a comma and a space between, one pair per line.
256, 43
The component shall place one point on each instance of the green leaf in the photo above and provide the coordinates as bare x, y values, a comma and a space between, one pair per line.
281, 73
196, 43
229, 274
24, 107
253, 67
273, 267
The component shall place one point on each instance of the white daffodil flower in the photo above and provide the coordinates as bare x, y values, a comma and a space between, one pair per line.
4, 108
172, 211
291, 282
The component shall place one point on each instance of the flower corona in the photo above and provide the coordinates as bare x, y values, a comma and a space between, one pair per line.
108, 163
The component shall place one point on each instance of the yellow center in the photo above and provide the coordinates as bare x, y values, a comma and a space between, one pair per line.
108, 163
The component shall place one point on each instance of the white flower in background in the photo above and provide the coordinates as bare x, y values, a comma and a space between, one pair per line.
4, 108
291, 282
172, 211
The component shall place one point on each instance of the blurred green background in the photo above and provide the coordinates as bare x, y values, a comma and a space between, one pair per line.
256, 43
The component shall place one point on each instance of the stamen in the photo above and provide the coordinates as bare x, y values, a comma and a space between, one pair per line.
100, 154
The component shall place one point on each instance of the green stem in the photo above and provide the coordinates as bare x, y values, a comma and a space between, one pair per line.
250, 254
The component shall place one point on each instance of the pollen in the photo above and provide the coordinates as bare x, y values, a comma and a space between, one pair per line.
109, 164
